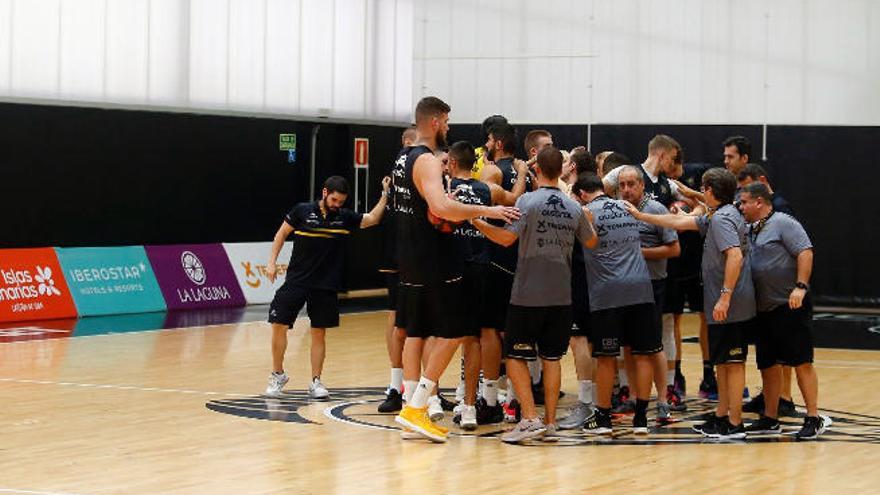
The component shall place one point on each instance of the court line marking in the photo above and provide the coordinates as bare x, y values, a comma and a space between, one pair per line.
31, 492
121, 387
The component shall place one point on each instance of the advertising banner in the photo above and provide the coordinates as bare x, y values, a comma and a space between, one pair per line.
249, 260
111, 280
195, 276
32, 286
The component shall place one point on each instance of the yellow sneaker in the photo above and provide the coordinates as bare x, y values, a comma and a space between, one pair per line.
416, 419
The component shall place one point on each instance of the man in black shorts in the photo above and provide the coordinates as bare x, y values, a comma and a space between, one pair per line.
621, 301
394, 336
728, 294
314, 275
782, 261
430, 271
539, 317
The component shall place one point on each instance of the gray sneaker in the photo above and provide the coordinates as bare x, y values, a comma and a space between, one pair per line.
577, 416
276, 384
664, 414
551, 435
526, 429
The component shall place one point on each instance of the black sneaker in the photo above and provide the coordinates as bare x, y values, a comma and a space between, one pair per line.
813, 427
393, 402
640, 424
786, 408
680, 384
709, 389
489, 415
731, 432
446, 404
711, 427
601, 425
756, 405
765, 426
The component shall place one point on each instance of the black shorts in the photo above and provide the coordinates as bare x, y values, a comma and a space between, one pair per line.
727, 342
630, 326
659, 287
784, 336
322, 305
432, 311
392, 280
580, 306
534, 332
497, 297
474, 291
679, 290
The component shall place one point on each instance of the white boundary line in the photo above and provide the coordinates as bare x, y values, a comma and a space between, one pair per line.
31, 492
122, 387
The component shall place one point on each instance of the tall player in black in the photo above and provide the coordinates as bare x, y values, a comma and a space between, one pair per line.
430, 272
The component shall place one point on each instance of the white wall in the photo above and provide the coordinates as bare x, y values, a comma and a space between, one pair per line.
651, 61
336, 58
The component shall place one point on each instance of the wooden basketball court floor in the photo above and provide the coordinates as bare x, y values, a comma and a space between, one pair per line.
180, 411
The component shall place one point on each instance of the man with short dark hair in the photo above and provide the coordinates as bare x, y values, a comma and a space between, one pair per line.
314, 275
728, 293
609, 160
621, 301
430, 272
753, 172
481, 152
539, 317
737, 153
782, 262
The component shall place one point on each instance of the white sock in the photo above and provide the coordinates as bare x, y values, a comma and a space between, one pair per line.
511, 392
670, 377
585, 391
409, 388
624, 380
535, 371
423, 390
396, 378
490, 392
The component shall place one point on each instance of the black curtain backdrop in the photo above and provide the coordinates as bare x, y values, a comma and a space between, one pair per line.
97, 177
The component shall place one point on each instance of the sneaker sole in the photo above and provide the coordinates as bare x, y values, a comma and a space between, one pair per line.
600, 432
437, 416
469, 427
765, 432
420, 431
531, 436
640, 430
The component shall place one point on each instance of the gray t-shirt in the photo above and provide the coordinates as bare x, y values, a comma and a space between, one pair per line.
617, 274
549, 225
652, 236
775, 248
725, 229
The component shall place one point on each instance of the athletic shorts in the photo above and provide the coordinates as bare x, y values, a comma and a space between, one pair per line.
432, 311
497, 297
727, 342
679, 290
392, 280
580, 305
784, 336
474, 291
533, 332
321, 305
631, 326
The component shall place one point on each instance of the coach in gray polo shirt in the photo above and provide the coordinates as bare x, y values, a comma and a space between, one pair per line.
782, 261
728, 293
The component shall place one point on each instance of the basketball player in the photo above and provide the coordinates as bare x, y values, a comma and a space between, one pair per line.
539, 317
662, 151
782, 261
430, 275
480, 152
503, 171
314, 275
737, 152
658, 245
728, 294
621, 301
394, 337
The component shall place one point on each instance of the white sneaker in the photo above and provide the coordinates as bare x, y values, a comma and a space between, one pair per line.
469, 418
526, 429
435, 410
317, 390
276, 384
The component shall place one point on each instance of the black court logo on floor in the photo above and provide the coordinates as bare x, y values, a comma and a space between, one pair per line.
357, 407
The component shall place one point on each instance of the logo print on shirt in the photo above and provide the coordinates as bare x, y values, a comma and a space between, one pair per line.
555, 202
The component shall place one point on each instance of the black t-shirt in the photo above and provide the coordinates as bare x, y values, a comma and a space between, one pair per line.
470, 241
505, 258
781, 205
318, 258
